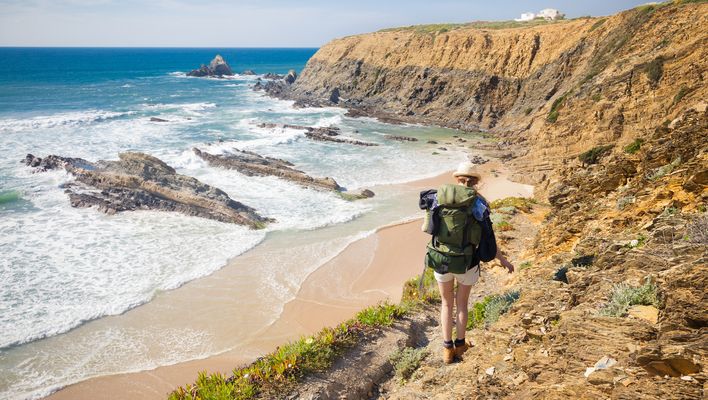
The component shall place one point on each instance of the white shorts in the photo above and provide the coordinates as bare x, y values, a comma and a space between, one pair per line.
469, 278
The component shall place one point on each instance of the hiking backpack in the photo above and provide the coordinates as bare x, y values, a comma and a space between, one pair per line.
458, 220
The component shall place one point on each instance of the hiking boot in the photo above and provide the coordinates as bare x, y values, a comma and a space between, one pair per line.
460, 349
448, 355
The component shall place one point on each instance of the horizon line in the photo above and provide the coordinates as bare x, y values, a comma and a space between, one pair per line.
156, 47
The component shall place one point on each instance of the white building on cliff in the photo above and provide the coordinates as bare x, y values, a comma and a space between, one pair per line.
549, 14
526, 17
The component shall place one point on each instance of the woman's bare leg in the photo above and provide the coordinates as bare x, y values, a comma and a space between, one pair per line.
461, 300
446, 294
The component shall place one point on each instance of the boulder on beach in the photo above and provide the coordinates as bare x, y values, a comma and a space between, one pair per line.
217, 67
138, 181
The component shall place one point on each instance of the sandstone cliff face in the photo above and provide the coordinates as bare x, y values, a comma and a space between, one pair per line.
560, 88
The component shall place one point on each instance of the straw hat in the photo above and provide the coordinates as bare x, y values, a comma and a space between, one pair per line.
466, 168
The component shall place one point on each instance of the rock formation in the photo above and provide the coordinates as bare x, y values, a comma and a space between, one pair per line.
252, 164
217, 67
139, 181
400, 138
324, 134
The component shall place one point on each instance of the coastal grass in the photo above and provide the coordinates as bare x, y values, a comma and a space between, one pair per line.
486, 312
624, 296
406, 361
278, 371
442, 28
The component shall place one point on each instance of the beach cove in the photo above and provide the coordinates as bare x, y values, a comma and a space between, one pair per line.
369, 269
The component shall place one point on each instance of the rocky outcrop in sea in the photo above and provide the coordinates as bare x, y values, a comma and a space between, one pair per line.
252, 164
217, 68
323, 134
138, 181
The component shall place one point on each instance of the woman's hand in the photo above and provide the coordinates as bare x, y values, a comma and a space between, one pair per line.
506, 264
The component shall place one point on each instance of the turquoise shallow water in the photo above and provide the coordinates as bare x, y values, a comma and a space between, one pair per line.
62, 267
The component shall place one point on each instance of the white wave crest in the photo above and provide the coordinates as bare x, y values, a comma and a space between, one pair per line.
63, 119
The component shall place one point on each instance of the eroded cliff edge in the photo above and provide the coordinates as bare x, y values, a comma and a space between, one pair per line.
559, 89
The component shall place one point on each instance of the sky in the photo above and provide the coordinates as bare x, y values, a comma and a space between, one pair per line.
248, 23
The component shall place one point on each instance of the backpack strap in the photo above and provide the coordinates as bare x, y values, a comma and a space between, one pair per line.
465, 233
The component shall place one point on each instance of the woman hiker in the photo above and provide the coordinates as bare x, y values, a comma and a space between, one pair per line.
468, 176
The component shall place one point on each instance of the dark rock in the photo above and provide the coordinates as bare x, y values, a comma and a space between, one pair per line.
442, 148
272, 76
334, 97
248, 72
290, 77
401, 138
138, 181
155, 119
367, 193
325, 134
252, 164
217, 67
432, 142
478, 160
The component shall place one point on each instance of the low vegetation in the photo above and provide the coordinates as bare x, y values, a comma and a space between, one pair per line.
486, 312
556, 107
654, 69
624, 296
503, 226
593, 155
634, 146
664, 170
277, 371
683, 91
406, 361
520, 203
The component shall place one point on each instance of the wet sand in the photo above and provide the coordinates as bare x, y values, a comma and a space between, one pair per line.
367, 271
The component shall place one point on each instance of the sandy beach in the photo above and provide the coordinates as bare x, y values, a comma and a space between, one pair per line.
369, 270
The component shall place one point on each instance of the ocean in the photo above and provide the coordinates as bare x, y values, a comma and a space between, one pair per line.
65, 268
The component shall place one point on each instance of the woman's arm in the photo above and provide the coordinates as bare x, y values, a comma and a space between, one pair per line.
504, 262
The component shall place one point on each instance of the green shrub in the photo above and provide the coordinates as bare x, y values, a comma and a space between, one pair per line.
596, 97
654, 69
430, 294
528, 111
593, 155
488, 311
634, 146
380, 315
525, 265
624, 296
406, 361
